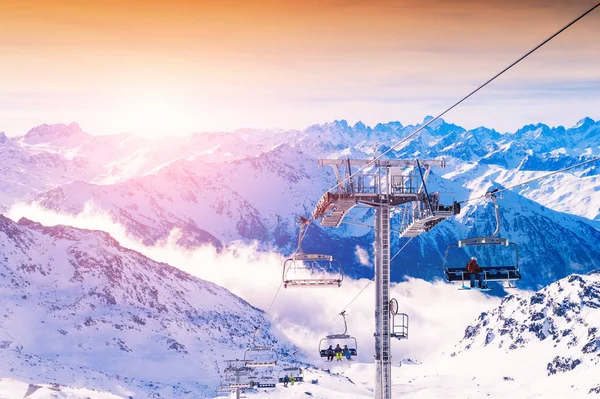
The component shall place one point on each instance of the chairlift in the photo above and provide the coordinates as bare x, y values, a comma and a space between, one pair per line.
339, 339
499, 256
311, 270
260, 356
296, 372
266, 380
240, 385
224, 390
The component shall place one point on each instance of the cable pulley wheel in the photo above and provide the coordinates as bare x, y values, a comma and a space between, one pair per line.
393, 306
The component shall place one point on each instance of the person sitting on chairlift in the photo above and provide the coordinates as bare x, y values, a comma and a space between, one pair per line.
338, 352
286, 379
346, 352
475, 271
330, 353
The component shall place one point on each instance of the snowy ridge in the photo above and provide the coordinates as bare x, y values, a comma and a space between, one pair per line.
565, 314
558, 328
250, 185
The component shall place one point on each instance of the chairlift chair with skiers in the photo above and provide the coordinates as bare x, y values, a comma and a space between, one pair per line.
311, 270
339, 339
500, 257
295, 372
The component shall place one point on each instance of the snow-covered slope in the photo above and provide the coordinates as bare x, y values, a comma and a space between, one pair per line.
549, 339
82, 311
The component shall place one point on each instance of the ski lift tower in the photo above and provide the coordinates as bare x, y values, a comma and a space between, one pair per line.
234, 372
386, 186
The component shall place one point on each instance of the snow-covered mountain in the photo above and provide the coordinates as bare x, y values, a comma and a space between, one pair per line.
250, 185
79, 310
550, 337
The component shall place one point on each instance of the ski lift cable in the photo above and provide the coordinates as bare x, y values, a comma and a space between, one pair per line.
536, 179
350, 303
360, 224
366, 286
267, 312
393, 147
400, 250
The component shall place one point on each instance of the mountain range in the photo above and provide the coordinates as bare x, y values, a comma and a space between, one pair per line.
250, 185
81, 310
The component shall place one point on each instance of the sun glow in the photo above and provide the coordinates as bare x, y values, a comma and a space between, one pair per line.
154, 111
154, 115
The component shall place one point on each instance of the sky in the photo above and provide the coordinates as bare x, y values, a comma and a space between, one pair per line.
177, 67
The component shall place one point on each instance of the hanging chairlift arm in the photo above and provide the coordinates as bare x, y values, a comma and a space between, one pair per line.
492, 195
343, 314
425, 188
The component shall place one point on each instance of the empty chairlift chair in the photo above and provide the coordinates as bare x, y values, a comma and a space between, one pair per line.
260, 356
311, 270
497, 257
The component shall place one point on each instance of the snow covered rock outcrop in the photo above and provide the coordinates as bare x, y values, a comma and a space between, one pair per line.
553, 334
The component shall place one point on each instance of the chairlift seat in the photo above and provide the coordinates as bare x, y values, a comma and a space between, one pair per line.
312, 270
310, 257
474, 241
260, 356
296, 379
323, 352
237, 385
265, 385
313, 282
491, 273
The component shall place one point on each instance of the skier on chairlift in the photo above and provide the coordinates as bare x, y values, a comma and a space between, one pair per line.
475, 271
346, 352
338, 352
330, 353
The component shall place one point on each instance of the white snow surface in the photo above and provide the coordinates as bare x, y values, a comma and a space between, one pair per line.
82, 311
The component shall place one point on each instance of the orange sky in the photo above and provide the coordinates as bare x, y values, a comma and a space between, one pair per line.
192, 65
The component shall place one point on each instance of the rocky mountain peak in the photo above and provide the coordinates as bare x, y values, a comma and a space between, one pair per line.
562, 316
59, 134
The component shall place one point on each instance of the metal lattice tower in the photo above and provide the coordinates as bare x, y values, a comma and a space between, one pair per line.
382, 303
236, 370
386, 185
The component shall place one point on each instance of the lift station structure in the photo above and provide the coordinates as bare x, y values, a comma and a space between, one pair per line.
387, 186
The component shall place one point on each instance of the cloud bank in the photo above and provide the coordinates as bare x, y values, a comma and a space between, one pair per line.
438, 312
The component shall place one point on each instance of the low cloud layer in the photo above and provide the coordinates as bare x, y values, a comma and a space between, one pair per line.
438, 312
